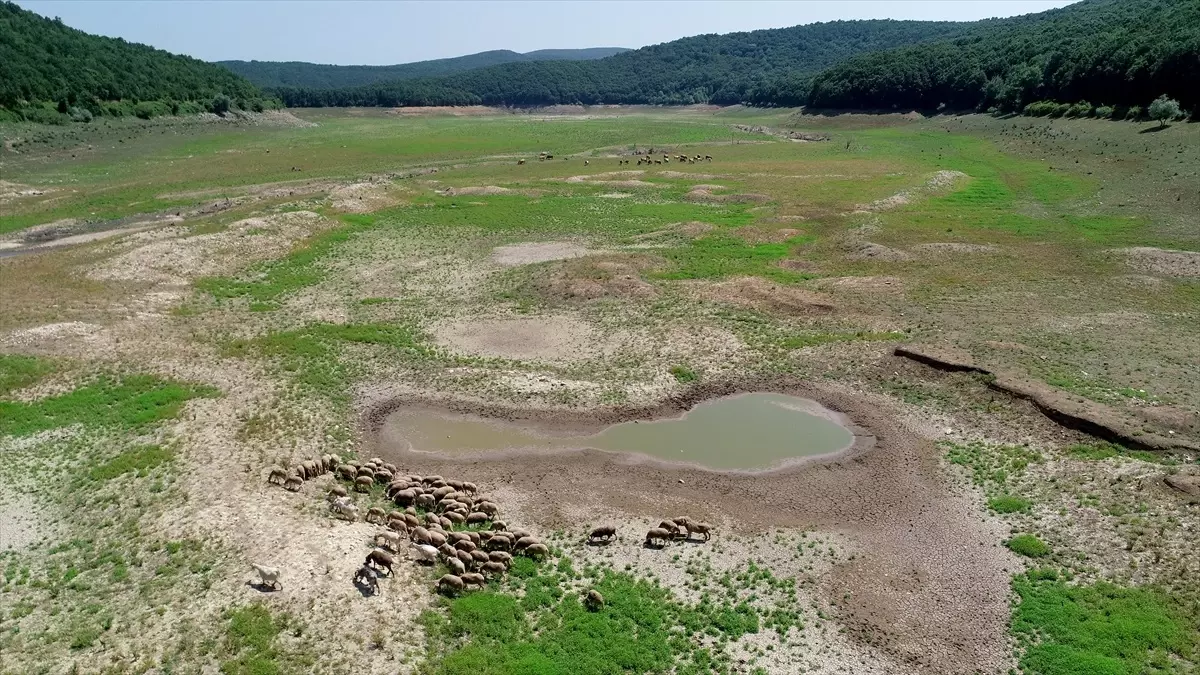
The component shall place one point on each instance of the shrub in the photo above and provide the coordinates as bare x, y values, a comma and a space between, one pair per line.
148, 109
683, 374
39, 115
1008, 504
1040, 109
80, 115
1134, 113
1081, 109
1028, 546
220, 104
1164, 109
1104, 112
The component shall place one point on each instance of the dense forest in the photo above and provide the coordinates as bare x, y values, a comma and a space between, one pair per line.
765, 66
1100, 51
299, 74
44, 61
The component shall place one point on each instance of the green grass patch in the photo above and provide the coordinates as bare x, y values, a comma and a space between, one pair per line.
1101, 450
717, 256
131, 401
816, 339
18, 372
991, 465
1098, 629
140, 461
250, 638
1028, 546
684, 374
1008, 504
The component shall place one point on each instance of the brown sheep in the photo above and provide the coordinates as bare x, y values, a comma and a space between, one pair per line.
366, 576
336, 491
446, 523
430, 480
314, 468
456, 518
411, 520
395, 515
456, 484
470, 487
477, 537
500, 557
604, 533
524, 542
672, 527
391, 468
441, 492
398, 526
477, 518
347, 471
466, 558
499, 542
517, 533
479, 557
293, 483
436, 538
593, 600
467, 545
363, 484
493, 568
404, 497
699, 528
382, 477
366, 470
537, 550
432, 519
499, 526
377, 461
425, 501
474, 579
658, 534
419, 534
376, 515
381, 560
487, 507
450, 582
277, 475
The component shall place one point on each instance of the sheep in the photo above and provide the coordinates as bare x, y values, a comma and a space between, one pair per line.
366, 576
383, 477
398, 526
477, 518
446, 523
492, 567
470, 487
477, 538
441, 492
466, 558
329, 462
499, 542
314, 468
593, 600
537, 550
365, 470
347, 471
363, 484
456, 566
376, 515
524, 542
432, 519
389, 467
404, 497
604, 532
425, 501
699, 528
456, 518
450, 582
390, 541
395, 515
424, 552
411, 520
517, 533
520, 162
500, 557
456, 484
377, 461
335, 492
585, 162
478, 557
419, 534
293, 483
466, 545
277, 476
659, 534
681, 523
499, 526
474, 579
269, 576
346, 511
670, 526
430, 480
487, 507
381, 560
436, 538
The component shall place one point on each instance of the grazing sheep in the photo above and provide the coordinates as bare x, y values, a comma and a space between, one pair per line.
658, 534
395, 515
269, 576
593, 600
450, 582
376, 515
493, 568
365, 576
477, 537
430, 480
456, 484
329, 462
398, 526
456, 518
381, 560
406, 497
499, 542
478, 557
466, 558
432, 519
699, 528
419, 534
363, 484
465, 545
314, 468
383, 477
411, 520
470, 487
474, 579
537, 550
347, 471
604, 533
425, 501
335, 492
436, 538
446, 523
344, 510
499, 526
377, 461
517, 533
681, 523
424, 552
672, 527
487, 507
388, 540
477, 518
277, 475
390, 468
293, 483
524, 542
441, 492
500, 557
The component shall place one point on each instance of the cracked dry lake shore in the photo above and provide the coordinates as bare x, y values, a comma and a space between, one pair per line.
449, 311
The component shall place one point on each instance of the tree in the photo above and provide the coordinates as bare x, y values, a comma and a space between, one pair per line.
1164, 109
220, 104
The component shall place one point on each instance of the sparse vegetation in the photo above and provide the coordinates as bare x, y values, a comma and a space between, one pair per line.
1028, 546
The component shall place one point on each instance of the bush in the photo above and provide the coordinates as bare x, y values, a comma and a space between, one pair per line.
1134, 113
1028, 546
1164, 109
80, 115
1040, 109
1081, 109
1104, 112
39, 115
148, 109
1008, 504
220, 104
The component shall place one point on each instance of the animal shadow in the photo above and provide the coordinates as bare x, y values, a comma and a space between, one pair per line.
263, 588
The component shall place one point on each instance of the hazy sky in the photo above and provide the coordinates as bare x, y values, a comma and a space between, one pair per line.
381, 32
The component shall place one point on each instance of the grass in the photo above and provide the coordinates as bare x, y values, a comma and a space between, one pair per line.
139, 460
538, 625
18, 372
1101, 450
127, 402
816, 339
1028, 546
1097, 629
250, 637
683, 374
1008, 504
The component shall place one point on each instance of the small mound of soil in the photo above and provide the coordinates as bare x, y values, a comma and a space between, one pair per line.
548, 338
864, 284
1167, 262
476, 190
696, 229
757, 234
799, 265
938, 248
865, 250
536, 252
936, 183
704, 193
758, 293
362, 197
597, 277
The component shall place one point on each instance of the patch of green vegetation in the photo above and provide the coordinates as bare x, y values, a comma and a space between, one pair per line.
312, 354
250, 638
1096, 388
131, 401
641, 628
376, 301
684, 374
139, 460
1008, 504
816, 339
18, 372
1098, 629
718, 256
1100, 450
991, 465
1028, 546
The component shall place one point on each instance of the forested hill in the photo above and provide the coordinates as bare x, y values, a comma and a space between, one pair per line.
769, 66
43, 60
1100, 51
319, 76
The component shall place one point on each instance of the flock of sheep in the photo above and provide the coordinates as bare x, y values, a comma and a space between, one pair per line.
428, 508
666, 159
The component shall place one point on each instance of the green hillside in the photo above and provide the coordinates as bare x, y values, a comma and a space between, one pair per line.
319, 76
44, 61
1100, 51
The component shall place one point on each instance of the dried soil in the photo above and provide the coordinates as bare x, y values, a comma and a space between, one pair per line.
536, 252
548, 338
1161, 261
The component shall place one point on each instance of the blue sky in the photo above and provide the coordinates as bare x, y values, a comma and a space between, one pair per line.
381, 32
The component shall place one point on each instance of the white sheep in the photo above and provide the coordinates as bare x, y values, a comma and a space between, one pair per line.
269, 575
424, 552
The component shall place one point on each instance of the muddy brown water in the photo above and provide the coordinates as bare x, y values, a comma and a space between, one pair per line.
747, 432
